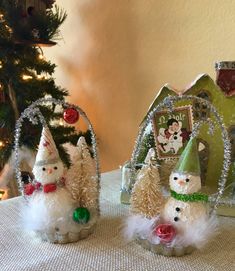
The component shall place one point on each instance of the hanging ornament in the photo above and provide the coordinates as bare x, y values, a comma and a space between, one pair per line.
81, 215
71, 115
49, 3
35, 33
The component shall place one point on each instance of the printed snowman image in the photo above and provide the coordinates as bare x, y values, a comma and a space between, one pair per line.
186, 207
50, 206
172, 138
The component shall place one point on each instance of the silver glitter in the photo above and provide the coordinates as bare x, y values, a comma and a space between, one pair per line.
197, 127
168, 103
35, 116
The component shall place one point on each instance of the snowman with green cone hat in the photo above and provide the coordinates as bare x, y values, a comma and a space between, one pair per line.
186, 208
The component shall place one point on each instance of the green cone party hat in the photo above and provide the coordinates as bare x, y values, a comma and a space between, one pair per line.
189, 159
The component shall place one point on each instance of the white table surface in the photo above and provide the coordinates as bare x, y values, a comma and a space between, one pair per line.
106, 249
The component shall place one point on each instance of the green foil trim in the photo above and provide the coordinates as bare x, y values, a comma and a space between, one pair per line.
190, 197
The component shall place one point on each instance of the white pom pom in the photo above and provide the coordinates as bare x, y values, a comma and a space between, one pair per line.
139, 225
198, 234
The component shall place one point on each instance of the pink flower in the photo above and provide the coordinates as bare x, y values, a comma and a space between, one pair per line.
166, 232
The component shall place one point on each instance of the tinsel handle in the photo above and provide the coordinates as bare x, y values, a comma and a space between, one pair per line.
35, 116
198, 124
168, 103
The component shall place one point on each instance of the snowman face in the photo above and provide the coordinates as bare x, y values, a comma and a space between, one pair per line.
49, 173
185, 183
174, 127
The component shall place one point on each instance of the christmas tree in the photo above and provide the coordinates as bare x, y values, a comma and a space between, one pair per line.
146, 198
81, 179
25, 74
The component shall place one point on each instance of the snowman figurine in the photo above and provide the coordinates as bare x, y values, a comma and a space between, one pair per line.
50, 207
183, 223
186, 206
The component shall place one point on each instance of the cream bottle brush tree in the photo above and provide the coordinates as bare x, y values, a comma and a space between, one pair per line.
147, 199
82, 181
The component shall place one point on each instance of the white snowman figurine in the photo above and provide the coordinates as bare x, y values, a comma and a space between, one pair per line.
186, 207
184, 222
50, 204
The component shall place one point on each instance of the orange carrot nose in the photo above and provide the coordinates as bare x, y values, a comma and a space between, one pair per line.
49, 171
181, 182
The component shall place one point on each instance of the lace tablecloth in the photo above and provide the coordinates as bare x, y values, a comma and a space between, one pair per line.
106, 249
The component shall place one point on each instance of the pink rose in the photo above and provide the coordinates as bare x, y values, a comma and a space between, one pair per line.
166, 232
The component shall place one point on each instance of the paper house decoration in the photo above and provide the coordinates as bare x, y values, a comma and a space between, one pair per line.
212, 152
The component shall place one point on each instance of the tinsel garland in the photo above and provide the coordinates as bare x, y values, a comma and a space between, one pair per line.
35, 116
168, 103
195, 197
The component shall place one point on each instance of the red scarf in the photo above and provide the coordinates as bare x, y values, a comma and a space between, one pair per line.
47, 188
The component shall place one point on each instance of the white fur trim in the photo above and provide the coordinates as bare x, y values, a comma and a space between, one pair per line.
140, 225
198, 234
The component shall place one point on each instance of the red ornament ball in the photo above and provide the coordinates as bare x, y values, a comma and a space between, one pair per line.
71, 115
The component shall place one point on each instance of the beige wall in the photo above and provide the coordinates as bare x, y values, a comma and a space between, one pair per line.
116, 55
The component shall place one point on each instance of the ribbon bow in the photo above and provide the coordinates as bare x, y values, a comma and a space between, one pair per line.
30, 188
47, 188
50, 187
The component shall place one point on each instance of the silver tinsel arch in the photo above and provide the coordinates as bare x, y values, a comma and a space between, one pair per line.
168, 103
35, 116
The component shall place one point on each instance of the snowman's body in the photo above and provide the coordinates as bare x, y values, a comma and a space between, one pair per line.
48, 211
183, 214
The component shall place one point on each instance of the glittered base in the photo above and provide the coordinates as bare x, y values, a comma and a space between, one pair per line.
70, 237
164, 250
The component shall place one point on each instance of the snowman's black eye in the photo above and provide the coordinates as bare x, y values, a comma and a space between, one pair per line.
43, 168
175, 178
55, 168
187, 180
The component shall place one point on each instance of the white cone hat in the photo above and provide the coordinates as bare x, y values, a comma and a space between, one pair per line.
47, 151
